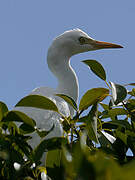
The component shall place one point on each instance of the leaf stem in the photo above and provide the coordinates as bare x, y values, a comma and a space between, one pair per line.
108, 85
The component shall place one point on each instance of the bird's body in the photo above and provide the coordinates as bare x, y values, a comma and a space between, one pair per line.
58, 58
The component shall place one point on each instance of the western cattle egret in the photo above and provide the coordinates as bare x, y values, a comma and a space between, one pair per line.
58, 58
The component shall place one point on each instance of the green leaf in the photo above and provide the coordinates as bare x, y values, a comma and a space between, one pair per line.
83, 119
38, 101
40, 170
106, 139
122, 136
12, 128
132, 93
43, 133
19, 117
69, 100
119, 93
26, 129
105, 106
91, 123
46, 145
93, 96
121, 123
97, 68
114, 112
3, 110
53, 158
130, 84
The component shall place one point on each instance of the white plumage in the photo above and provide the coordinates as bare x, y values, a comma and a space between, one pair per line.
58, 58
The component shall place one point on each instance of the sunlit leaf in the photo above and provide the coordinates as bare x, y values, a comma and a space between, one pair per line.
93, 96
38, 101
119, 93
3, 109
97, 68
69, 100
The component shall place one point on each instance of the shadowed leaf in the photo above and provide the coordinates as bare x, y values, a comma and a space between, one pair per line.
19, 117
97, 68
91, 123
26, 129
42, 133
119, 93
46, 145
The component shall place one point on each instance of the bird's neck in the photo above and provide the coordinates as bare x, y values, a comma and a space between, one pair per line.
60, 66
68, 83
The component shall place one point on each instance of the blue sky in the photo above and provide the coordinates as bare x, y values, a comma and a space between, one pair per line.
27, 28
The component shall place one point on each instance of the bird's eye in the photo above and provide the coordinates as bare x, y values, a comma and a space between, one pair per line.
82, 40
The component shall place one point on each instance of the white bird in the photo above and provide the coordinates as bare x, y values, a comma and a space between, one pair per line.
61, 50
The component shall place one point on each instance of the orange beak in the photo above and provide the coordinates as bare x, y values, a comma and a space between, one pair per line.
104, 45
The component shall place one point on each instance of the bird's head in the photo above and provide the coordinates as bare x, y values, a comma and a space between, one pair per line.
76, 41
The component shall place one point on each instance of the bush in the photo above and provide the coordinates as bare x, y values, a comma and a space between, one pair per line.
95, 143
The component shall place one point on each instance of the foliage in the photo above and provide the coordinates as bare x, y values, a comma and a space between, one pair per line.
96, 139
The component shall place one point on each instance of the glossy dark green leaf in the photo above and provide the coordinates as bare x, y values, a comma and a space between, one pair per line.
3, 109
121, 135
46, 145
93, 96
69, 100
119, 93
96, 67
19, 117
91, 123
26, 129
38, 101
